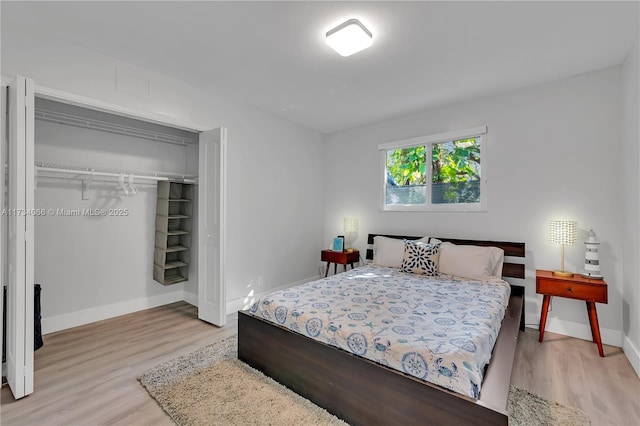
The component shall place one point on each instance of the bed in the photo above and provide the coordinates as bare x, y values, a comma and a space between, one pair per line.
374, 391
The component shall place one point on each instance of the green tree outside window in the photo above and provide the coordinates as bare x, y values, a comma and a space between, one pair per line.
455, 169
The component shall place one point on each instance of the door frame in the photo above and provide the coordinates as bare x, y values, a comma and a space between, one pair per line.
98, 105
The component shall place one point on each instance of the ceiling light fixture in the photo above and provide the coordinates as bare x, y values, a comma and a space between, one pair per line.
349, 37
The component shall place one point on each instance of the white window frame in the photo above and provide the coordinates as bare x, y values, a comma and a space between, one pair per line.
428, 142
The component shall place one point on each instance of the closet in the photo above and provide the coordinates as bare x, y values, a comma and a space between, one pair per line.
97, 191
89, 179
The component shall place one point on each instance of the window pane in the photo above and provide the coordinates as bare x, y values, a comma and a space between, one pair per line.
406, 176
456, 172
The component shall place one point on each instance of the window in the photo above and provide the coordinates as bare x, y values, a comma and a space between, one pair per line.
437, 172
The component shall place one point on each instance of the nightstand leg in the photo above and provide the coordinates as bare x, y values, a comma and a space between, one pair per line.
335, 268
595, 327
593, 333
326, 271
543, 315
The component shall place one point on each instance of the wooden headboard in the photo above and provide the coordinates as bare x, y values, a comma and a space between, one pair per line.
512, 269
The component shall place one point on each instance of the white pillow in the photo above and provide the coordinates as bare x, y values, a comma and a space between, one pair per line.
390, 251
497, 270
470, 261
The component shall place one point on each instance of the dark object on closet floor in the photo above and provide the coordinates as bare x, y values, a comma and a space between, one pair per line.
37, 323
4, 324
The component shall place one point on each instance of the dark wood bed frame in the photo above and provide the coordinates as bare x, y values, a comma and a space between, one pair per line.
362, 392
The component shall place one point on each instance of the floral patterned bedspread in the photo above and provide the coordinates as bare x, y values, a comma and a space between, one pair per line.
439, 329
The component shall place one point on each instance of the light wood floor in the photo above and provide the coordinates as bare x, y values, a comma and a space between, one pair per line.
571, 372
87, 375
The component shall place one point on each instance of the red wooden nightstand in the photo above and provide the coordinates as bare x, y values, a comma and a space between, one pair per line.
342, 257
576, 287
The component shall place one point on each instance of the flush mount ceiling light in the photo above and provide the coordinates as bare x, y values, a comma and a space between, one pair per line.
349, 37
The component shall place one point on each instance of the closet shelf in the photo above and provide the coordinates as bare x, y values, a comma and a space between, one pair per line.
178, 232
175, 264
178, 200
111, 127
173, 279
172, 249
179, 216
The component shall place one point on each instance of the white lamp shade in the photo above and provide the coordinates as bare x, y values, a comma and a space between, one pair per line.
349, 37
350, 224
563, 232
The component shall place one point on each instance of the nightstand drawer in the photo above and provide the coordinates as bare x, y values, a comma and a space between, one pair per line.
574, 290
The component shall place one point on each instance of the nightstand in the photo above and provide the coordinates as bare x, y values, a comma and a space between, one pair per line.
576, 287
339, 257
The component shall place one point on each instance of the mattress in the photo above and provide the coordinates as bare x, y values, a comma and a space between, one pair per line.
438, 329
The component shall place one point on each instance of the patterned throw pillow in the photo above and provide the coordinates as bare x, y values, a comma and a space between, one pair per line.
420, 258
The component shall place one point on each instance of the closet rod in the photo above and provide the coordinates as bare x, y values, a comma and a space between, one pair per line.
92, 173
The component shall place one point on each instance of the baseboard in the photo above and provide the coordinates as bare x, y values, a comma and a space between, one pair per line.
245, 302
191, 298
632, 353
582, 331
99, 313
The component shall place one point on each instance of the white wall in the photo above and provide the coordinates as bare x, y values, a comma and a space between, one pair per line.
274, 205
553, 152
275, 168
631, 206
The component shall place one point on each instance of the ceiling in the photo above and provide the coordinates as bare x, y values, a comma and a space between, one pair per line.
272, 55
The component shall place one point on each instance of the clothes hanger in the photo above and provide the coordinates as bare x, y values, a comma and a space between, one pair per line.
123, 187
132, 189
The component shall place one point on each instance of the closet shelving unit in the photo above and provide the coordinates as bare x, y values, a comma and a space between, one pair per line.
174, 211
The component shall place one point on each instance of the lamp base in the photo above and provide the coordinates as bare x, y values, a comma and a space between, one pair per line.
593, 277
564, 274
349, 250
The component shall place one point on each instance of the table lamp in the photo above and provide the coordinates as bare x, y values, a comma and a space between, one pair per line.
350, 226
563, 232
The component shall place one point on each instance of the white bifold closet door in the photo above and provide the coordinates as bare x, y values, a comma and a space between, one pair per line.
211, 224
20, 250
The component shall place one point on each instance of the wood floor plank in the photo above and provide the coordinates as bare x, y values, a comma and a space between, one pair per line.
87, 375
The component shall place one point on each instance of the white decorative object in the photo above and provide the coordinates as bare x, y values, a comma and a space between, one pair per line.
591, 259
